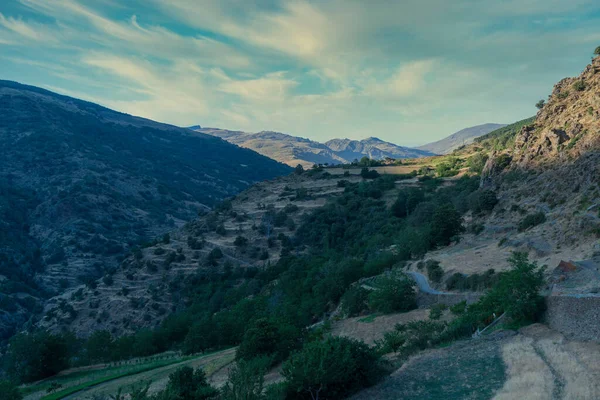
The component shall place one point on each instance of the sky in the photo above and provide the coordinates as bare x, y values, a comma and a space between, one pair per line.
406, 71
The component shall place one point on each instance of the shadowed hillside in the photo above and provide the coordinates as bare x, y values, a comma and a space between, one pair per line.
80, 184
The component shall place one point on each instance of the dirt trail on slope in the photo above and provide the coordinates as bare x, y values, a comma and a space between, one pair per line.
542, 364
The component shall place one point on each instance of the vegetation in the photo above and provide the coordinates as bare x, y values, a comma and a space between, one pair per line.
515, 293
532, 220
579, 86
331, 369
503, 138
540, 104
9, 390
393, 295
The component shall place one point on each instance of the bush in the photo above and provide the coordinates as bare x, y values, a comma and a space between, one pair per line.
9, 390
437, 310
269, 338
597, 51
482, 201
393, 295
579, 86
365, 173
435, 273
187, 384
477, 162
240, 241
354, 301
540, 104
35, 356
331, 369
246, 380
532, 220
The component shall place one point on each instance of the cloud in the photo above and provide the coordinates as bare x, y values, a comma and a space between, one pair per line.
270, 88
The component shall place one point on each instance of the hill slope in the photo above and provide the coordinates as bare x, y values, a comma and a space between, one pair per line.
80, 184
293, 150
460, 138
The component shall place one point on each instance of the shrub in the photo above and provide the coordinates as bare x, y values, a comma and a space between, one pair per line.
187, 384
540, 104
365, 173
240, 241
9, 390
269, 338
563, 95
354, 301
435, 273
299, 170
393, 295
437, 310
532, 220
331, 369
246, 380
482, 201
597, 51
579, 86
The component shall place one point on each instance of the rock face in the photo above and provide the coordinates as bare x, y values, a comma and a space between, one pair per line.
567, 126
293, 150
80, 185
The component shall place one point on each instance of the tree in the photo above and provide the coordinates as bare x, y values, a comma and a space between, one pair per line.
393, 295
408, 199
246, 380
99, 346
299, 170
240, 241
331, 369
540, 104
187, 384
9, 390
268, 337
597, 51
36, 356
446, 224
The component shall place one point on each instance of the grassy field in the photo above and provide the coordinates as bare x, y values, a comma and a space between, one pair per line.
76, 380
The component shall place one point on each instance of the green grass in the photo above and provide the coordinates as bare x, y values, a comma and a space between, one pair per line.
136, 370
82, 379
368, 319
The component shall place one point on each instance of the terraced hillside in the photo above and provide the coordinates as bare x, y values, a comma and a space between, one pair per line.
80, 185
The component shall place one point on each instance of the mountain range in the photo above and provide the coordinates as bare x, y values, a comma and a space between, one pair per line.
293, 150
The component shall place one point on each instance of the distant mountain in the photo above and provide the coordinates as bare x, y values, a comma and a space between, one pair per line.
460, 138
373, 148
293, 150
82, 185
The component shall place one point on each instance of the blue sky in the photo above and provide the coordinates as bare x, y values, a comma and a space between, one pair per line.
408, 71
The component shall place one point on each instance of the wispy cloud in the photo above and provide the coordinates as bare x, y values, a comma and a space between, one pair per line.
318, 69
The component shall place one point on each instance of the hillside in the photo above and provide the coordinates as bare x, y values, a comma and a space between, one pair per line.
460, 138
293, 150
81, 184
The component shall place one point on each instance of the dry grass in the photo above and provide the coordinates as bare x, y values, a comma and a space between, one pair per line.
528, 375
370, 329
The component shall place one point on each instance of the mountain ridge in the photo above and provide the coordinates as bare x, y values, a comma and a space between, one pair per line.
294, 150
457, 139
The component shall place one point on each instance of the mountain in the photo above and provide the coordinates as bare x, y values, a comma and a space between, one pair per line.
460, 138
373, 148
293, 150
82, 185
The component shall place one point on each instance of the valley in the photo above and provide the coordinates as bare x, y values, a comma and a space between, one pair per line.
143, 261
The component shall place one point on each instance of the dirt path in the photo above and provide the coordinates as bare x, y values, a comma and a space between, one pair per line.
423, 283
542, 364
211, 364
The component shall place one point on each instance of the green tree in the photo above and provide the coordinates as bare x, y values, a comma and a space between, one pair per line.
268, 337
36, 356
188, 384
99, 346
446, 224
408, 199
540, 104
393, 295
299, 170
9, 390
331, 369
246, 380
597, 51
